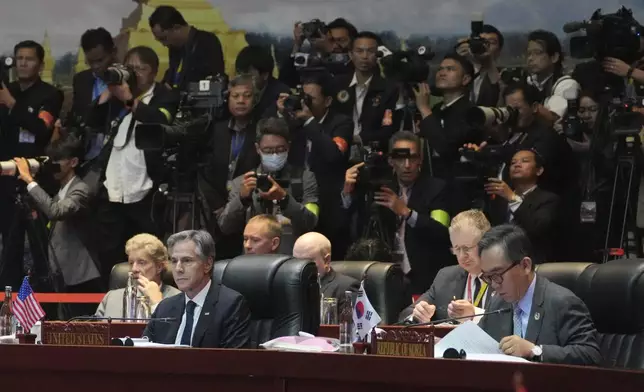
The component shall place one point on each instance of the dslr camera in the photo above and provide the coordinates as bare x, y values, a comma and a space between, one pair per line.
293, 102
478, 45
376, 171
118, 74
36, 165
483, 117
313, 62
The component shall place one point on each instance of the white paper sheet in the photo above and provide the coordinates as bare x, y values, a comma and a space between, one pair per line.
470, 338
495, 358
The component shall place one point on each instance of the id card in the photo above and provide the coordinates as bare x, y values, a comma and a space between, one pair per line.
588, 212
26, 137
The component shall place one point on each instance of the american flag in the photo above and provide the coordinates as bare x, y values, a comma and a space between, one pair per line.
26, 307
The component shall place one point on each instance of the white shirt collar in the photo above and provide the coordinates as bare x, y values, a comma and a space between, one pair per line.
63, 192
533, 81
324, 117
354, 81
200, 298
446, 105
149, 92
528, 191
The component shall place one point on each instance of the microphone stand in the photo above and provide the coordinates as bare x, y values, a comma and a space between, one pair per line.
433, 323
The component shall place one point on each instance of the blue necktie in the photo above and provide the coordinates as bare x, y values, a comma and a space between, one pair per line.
518, 325
186, 337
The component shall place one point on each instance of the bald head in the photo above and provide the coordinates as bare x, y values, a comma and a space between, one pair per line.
316, 247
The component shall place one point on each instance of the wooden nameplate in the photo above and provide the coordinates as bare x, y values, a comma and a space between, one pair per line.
403, 343
76, 333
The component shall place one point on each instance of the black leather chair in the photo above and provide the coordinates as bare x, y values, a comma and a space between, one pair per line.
118, 276
282, 292
564, 274
383, 285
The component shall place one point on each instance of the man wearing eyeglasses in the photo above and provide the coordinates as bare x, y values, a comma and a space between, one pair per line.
544, 322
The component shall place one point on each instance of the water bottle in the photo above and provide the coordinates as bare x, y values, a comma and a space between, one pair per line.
130, 302
346, 324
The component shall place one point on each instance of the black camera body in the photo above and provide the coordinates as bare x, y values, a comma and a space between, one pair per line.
5, 68
316, 62
263, 183
408, 67
205, 94
293, 103
118, 74
314, 29
376, 171
486, 162
478, 45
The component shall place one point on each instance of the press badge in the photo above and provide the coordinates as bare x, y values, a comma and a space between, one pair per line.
588, 212
26, 137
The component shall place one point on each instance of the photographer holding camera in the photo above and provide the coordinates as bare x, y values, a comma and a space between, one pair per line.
321, 141
229, 153
412, 210
72, 255
125, 176
484, 56
525, 203
274, 187
29, 108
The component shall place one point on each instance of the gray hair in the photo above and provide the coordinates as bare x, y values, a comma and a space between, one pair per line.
204, 243
511, 239
245, 80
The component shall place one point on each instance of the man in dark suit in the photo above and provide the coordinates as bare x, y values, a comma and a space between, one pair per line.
193, 54
412, 209
526, 204
258, 62
72, 258
209, 314
460, 281
321, 141
229, 153
317, 247
544, 322
365, 96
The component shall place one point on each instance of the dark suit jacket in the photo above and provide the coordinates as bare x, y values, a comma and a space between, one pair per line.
267, 105
201, 57
223, 322
382, 95
449, 283
537, 215
335, 284
83, 86
559, 322
488, 93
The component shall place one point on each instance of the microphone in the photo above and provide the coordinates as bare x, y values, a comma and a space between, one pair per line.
110, 319
499, 311
409, 320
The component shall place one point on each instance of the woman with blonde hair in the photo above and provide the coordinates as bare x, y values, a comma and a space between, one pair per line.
148, 257
457, 290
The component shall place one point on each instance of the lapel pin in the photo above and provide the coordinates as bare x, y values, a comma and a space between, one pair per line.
376, 101
208, 314
537, 316
343, 96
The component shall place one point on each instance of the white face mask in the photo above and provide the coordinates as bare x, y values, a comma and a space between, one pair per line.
274, 162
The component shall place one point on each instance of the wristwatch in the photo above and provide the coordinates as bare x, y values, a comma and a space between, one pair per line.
537, 353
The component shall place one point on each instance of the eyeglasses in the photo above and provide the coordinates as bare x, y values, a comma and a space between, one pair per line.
462, 249
496, 277
274, 150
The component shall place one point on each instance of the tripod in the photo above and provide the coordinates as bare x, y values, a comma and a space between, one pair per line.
375, 227
627, 178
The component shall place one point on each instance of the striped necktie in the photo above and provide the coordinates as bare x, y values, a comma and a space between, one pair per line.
518, 325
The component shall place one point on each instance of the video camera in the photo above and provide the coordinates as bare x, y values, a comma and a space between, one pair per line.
5, 68
482, 117
607, 35
205, 94
485, 162
316, 62
409, 67
376, 171
36, 165
118, 74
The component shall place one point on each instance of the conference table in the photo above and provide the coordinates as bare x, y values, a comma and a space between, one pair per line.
98, 369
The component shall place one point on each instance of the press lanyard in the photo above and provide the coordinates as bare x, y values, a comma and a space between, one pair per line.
236, 145
479, 297
177, 74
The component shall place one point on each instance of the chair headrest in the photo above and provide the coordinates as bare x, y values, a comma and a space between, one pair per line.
614, 294
563, 274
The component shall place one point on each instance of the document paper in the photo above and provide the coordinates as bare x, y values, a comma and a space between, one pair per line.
470, 338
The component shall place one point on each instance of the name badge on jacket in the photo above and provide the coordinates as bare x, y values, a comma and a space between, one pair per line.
26, 137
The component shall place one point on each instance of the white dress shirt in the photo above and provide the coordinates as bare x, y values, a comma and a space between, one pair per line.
126, 177
361, 93
513, 206
199, 300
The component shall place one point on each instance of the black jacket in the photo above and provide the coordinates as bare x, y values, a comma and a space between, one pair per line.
160, 110
446, 131
537, 215
201, 57
427, 244
379, 117
267, 105
83, 88
223, 322
334, 285
35, 111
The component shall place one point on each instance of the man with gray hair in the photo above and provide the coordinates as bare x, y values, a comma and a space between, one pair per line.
209, 314
544, 322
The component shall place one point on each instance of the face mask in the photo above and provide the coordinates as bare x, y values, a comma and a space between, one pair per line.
274, 162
